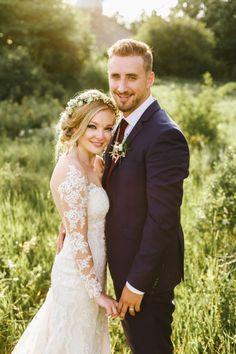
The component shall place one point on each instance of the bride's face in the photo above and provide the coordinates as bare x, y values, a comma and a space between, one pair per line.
98, 132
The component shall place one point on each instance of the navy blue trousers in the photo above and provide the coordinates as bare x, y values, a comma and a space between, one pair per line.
149, 331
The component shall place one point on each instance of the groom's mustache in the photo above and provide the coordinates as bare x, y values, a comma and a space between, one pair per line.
124, 93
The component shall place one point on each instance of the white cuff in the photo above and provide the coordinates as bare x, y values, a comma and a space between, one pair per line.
134, 290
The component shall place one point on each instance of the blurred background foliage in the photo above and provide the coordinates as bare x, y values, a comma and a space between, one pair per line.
49, 51
51, 47
44, 46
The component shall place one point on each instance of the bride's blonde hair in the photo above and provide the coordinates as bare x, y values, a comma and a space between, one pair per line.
77, 115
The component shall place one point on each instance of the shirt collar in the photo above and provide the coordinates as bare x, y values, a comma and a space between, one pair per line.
133, 117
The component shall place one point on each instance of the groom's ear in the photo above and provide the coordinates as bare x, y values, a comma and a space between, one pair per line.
150, 79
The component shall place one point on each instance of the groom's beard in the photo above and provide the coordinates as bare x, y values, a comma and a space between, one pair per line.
127, 102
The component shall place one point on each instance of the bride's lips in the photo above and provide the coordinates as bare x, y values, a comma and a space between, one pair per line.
97, 144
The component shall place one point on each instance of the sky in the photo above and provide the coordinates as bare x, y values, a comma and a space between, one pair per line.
131, 9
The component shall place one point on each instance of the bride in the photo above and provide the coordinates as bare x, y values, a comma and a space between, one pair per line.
73, 318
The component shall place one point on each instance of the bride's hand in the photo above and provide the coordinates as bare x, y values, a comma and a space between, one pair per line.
108, 303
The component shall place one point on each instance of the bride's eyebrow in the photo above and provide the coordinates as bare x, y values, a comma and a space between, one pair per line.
91, 122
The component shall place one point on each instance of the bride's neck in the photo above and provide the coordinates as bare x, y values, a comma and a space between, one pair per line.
83, 156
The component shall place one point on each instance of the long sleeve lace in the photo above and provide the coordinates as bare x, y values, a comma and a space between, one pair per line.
73, 198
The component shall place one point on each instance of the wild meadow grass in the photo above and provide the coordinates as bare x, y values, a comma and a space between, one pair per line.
204, 320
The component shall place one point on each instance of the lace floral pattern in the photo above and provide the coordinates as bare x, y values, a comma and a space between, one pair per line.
74, 199
69, 321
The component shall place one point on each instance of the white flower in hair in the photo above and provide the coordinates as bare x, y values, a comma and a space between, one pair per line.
91, 99
87, 98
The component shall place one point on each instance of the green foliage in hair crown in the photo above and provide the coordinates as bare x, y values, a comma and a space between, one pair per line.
86, 98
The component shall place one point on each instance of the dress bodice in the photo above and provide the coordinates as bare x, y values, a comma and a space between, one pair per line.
98, 205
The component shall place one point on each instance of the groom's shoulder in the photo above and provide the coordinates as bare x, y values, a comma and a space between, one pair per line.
160, 121
161, 127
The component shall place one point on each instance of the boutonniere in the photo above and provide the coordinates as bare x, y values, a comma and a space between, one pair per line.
118, 150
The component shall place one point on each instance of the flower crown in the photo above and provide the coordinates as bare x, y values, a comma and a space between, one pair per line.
86, 98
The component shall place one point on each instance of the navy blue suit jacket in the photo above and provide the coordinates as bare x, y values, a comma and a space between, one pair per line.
143, 232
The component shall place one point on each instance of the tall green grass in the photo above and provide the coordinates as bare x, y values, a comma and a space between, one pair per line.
204, 320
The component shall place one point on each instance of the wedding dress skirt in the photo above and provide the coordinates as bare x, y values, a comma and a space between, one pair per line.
69, 321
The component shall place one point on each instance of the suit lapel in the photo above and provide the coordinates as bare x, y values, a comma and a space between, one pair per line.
107, 155
146, 115
135, 131
139, 125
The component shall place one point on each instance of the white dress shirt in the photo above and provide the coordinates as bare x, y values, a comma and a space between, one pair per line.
134, 117
132, 120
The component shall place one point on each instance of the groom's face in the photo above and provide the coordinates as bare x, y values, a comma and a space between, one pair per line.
129, 82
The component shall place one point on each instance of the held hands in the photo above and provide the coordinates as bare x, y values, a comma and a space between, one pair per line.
61, 237
108, 303
129, 301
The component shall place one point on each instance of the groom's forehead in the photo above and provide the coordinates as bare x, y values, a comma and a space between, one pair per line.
126, 64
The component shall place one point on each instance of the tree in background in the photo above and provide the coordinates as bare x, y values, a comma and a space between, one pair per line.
183, 46
41, 41
220, 17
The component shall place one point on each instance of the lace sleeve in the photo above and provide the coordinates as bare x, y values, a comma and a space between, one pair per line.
73, 197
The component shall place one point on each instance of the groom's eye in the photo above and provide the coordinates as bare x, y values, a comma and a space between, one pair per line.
132, 77
115, 76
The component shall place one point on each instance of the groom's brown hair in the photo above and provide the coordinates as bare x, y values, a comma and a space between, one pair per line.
130, 47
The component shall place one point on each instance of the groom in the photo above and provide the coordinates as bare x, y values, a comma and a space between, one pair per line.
144, 173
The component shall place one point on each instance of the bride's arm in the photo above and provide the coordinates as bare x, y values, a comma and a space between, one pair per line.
73, 203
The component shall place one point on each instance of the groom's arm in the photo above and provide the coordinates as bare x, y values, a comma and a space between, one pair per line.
61, 237
166, 167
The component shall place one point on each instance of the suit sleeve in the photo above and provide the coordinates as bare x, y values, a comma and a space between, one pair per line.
167, 165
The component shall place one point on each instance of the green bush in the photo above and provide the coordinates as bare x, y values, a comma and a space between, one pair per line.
182, 47
219, 212
57, 39
95, 74
20, 76
218, 15
198, 113
18, 119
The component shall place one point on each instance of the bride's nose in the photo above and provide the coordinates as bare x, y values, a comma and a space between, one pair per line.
100, 134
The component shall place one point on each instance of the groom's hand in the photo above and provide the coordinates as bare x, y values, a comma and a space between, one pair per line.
129, 301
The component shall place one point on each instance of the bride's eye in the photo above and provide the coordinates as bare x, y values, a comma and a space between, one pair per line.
91, 126
109, 129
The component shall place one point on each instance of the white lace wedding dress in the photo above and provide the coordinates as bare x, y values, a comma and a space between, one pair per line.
69, 321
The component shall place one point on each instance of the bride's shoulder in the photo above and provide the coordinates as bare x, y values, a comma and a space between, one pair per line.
66, 167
